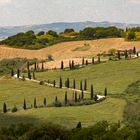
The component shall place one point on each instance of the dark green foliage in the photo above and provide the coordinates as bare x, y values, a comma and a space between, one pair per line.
131, 35
119, 55
85, 85
35, 106
82, 95
53, 33
83, 61
62, 65
4, 108
79, 125
68, 83
29, 74
66, 98
134, 50
35, 66
93, 60
81, 85
18, 73
86, 62
14, 109
28, 66
12, 73
41, 33
41, 83
105, 92
126, 54
74, 84
99, 58
24, 105
56, 99
70, 65
76, 97
45, 103
42, 68
60, 83
92, 92
68, 30
54, 83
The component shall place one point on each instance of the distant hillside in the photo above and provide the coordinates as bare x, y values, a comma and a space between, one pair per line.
59, 27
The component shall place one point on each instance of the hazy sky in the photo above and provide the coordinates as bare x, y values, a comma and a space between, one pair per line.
26, 12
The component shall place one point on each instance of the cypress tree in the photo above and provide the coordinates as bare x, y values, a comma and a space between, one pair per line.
12, 73
18, 73
105, 92
54, 83
85, 85
60, 84
35, 66
75, 96
24, 105
93, 60
83, 61
81, 85
29, 74
126, 54
119, 55
86, 62
4, 108
82, 95
34, 75
45, 102
68, 83
35, 103
66, 98
137, 54
62, 65
74, 85
42, 66
28, 66
92, 92
79, 125
99, 58
72, 64
134, 50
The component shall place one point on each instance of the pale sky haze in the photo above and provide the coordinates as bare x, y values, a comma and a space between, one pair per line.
28, 12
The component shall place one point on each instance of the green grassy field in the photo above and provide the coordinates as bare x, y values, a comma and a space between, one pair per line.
115, 75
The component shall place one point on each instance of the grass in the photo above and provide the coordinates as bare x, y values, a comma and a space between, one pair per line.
84, 48
115, 75
111, 110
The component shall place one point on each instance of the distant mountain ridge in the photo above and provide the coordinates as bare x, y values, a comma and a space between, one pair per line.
59, 27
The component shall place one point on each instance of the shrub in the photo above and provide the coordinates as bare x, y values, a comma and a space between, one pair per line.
14, 109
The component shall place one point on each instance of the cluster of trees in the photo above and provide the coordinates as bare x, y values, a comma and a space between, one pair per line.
99, 131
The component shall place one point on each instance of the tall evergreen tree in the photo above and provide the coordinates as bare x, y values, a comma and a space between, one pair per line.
68, 83
4, 108
134, 50
62, 65
12, 73
79, 125
45, 103
35, 66
105, 92
56, 99
42, 66
34, 102
74, 84
70, 65
92, 92
54, 83
66, 98
86, 62
93, 61
60, 83
24, 105
75, 96
29, 75
18, 73
28, 66
83, 61
81, 85
119, 55
126, 54
99, 58
82, 95
85, 85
